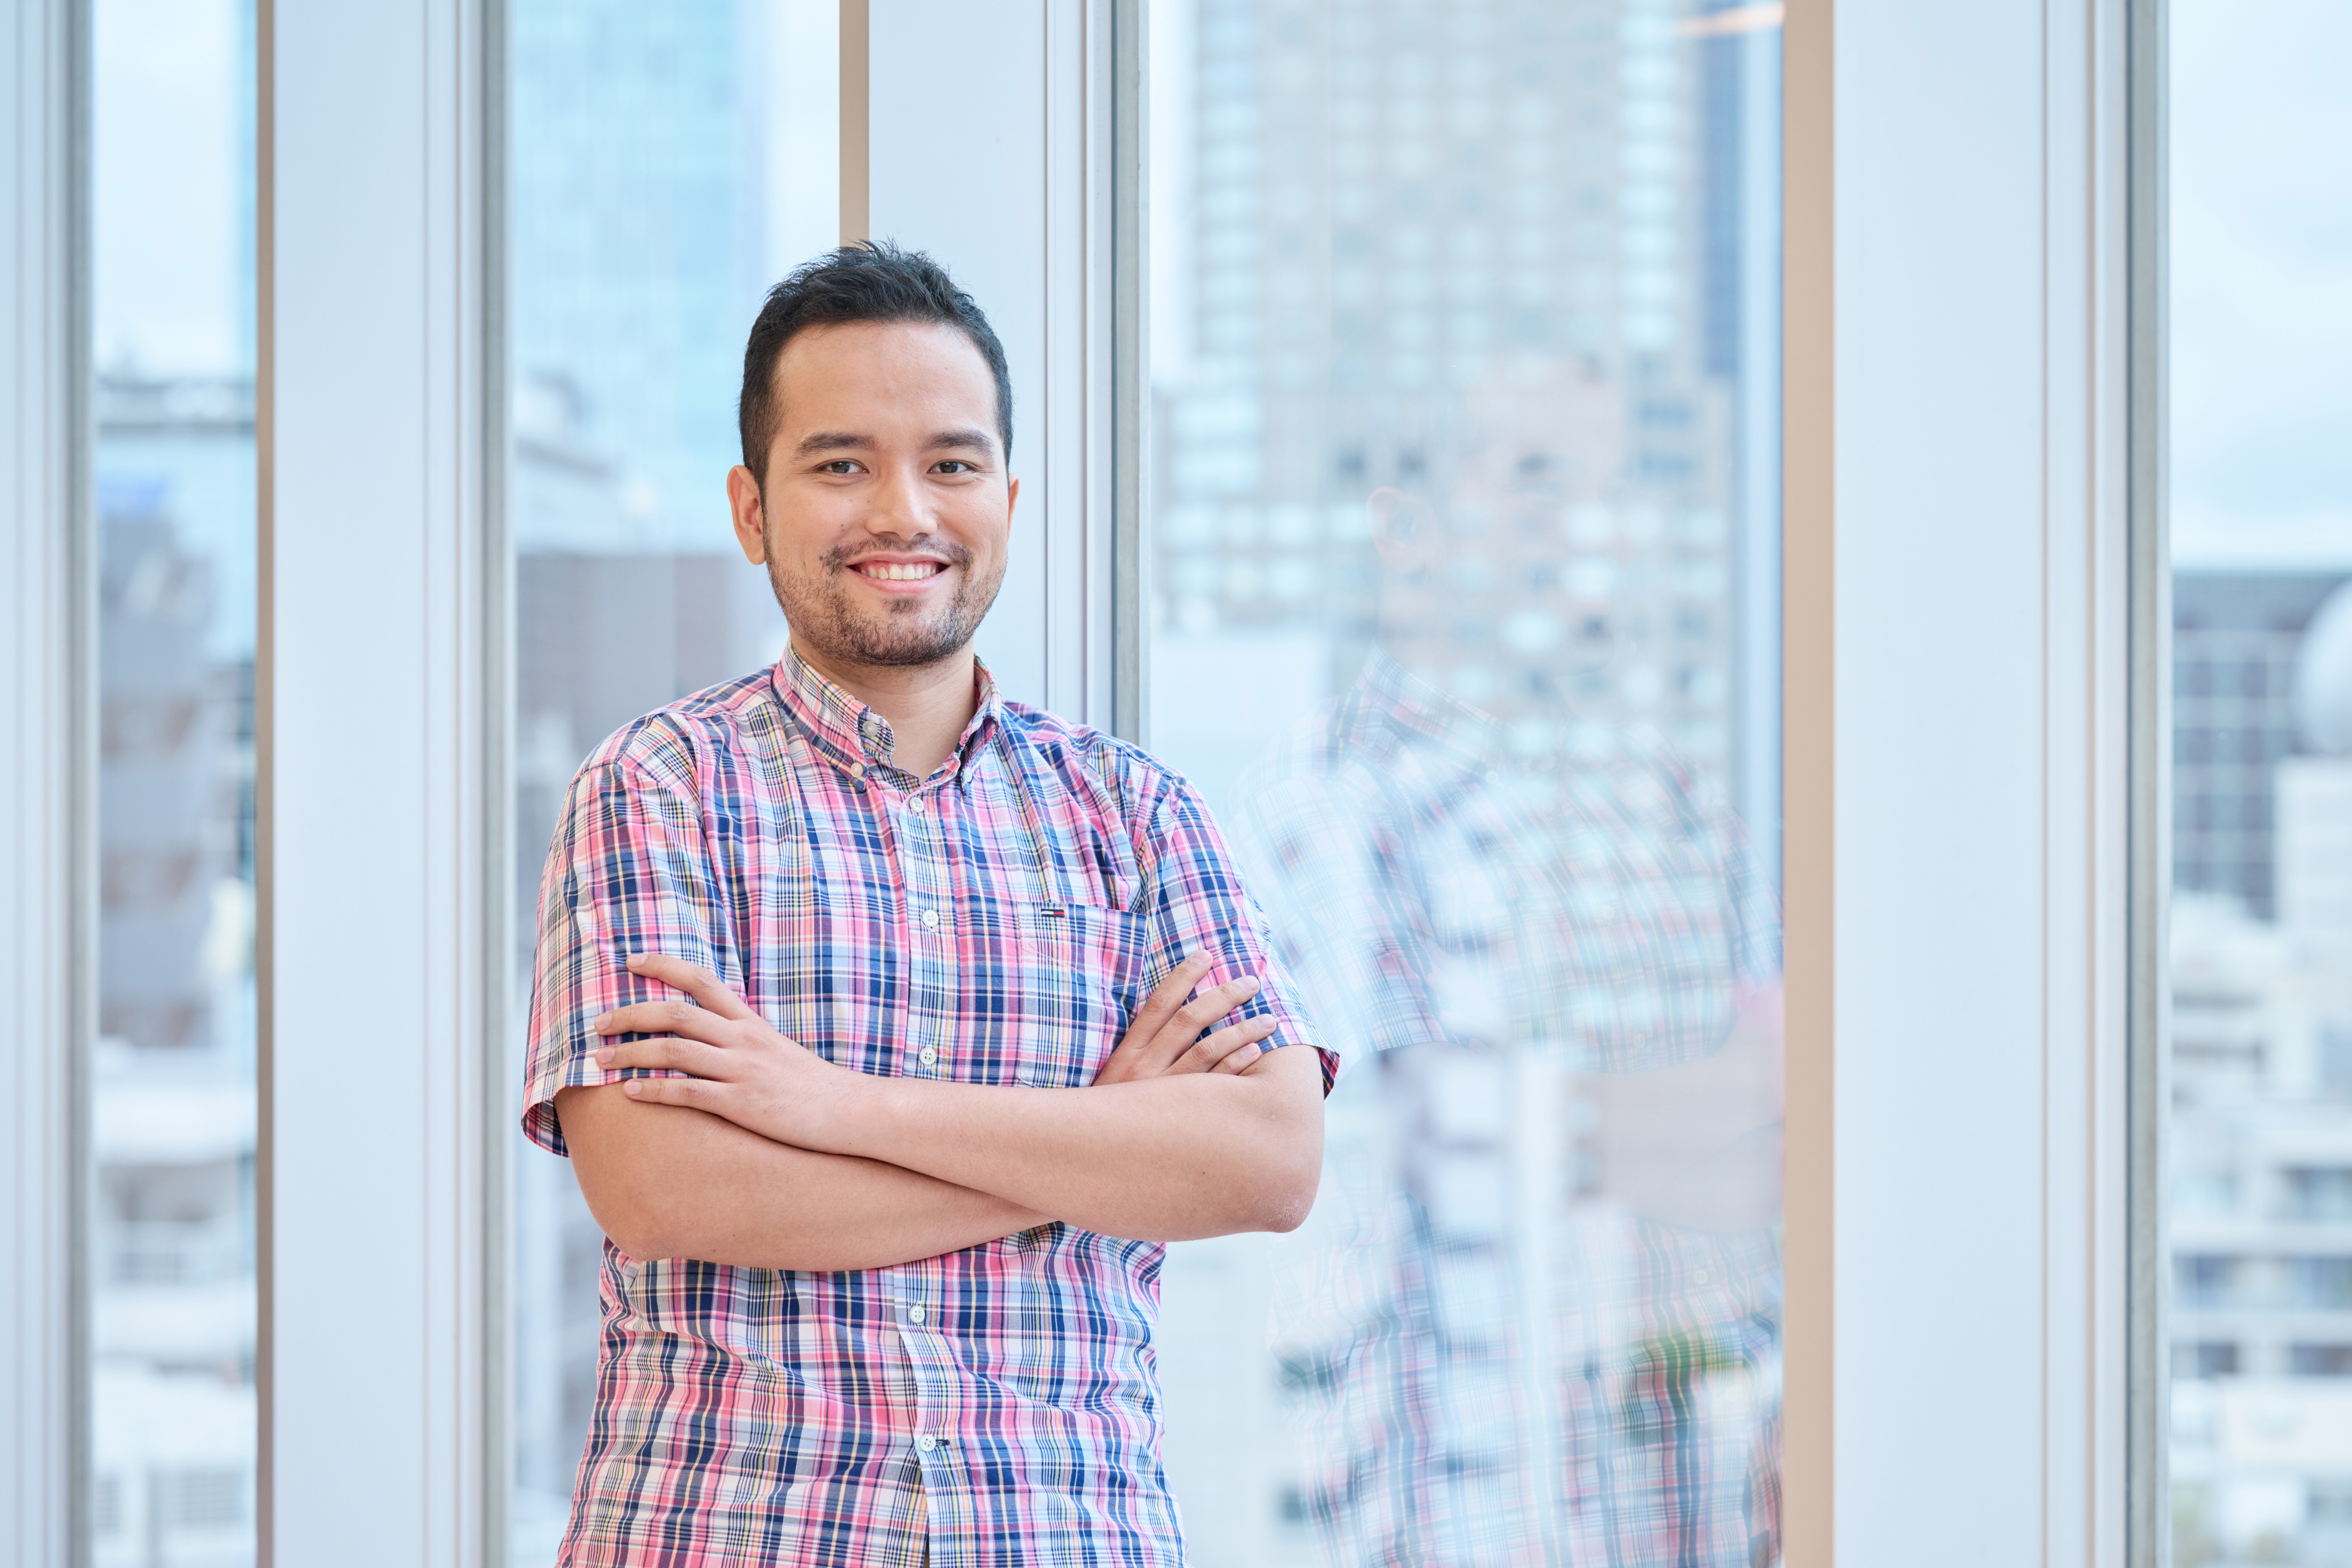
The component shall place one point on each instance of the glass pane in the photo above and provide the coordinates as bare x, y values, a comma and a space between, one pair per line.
171, 1254
1465, 365
658, 182
2260, 1156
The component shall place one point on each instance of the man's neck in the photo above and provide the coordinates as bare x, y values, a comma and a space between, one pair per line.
928, 705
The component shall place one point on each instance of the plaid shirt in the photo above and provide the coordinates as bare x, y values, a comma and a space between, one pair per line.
995, 923
1496, 1362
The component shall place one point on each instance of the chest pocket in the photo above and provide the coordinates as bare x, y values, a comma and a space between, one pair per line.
1057, 985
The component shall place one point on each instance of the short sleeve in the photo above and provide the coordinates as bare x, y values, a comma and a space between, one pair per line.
629, 872
1193, 898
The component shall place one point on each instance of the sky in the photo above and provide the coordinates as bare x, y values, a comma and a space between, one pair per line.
2262, 283
169, 187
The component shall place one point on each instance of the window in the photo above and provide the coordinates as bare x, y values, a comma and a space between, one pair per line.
1559, 185
661, 166
2261, 637
1464, 377
170, 1240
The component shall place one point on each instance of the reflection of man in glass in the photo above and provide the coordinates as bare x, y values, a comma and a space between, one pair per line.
861, 1012
1535, 1316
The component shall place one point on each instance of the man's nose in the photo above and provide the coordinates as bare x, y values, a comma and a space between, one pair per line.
900, 504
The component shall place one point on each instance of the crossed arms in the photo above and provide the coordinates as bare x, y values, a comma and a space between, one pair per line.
768, 1156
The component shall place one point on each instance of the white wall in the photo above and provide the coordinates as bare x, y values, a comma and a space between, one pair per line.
1957, 534
374, 816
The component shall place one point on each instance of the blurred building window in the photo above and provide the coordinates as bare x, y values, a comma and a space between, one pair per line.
2261, 931
170, 1243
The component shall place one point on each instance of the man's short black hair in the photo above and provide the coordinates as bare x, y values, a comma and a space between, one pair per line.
867, 280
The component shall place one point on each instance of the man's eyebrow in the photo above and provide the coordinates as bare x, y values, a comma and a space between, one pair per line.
833, 441
946, 439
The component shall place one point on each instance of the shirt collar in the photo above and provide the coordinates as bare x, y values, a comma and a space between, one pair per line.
853, 735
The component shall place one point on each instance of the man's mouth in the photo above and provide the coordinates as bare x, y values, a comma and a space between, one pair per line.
899, 571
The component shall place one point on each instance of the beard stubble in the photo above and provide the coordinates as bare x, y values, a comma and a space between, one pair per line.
822, 616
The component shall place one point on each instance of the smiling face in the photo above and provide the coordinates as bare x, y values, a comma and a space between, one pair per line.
886, 509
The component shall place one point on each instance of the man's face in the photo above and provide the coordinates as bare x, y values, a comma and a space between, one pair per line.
886, 509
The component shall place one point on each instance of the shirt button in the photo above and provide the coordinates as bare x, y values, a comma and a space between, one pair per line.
928, 1058
1700, 1278
931, 920
916, 804
915, 1314
927, 1442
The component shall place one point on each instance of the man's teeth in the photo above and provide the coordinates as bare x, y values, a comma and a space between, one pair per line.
900, 571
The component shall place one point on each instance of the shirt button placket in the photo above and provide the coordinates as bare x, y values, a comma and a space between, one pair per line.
931, 1016
934, 1378
934, 945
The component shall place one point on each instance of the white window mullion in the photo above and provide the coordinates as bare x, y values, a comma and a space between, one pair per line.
44, 871
1956, 793
372, 709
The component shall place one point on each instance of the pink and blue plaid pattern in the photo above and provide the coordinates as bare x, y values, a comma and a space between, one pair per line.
996, 923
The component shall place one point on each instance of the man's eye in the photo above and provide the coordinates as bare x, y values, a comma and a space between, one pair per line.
957, 465
839, 466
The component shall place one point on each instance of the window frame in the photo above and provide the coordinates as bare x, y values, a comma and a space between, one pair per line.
2148, 1349
48, 831
1977, 160
2064, 104
375, 184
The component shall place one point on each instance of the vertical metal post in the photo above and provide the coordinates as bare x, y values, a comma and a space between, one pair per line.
1130, 371
1809, 771
499, 1068
856, 123
48, 863
2148, 1524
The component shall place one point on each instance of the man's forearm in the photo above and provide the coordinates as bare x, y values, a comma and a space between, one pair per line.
1169, 1159
667, 1181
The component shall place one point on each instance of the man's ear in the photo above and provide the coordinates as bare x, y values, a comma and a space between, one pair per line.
1405, 530
748, 509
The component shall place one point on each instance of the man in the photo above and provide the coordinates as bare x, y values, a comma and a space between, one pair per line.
862, 1011
1535, 1318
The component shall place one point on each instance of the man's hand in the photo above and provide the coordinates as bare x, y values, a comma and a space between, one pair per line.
1165, 1036
740, 1067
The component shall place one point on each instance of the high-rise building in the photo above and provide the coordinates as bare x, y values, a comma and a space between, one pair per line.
1411, 225
637, 233
173, 1122
2261, 1140
2234, 641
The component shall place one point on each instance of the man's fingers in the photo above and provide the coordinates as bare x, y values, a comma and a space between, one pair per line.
669, 1052
669, 1017
1236, 1045
1169, 995
1245, 1052
691, 1091
1212, 1005
1146, 1049
695, 981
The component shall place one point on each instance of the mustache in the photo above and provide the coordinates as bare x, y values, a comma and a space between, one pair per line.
841, 557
